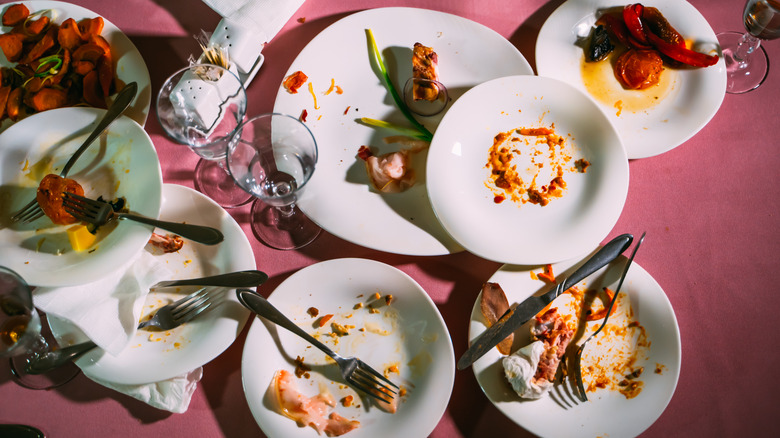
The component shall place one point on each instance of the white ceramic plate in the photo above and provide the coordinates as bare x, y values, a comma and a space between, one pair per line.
509, 232
339, 197
417, 341
128, 62
607, 412
121, 163
695, 96
156, 356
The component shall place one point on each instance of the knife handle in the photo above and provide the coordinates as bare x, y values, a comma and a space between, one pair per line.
232, 279
605, 255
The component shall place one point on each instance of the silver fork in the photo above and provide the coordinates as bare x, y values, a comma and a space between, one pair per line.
100, 213
32, 210
166, 318
581, 348
356, 372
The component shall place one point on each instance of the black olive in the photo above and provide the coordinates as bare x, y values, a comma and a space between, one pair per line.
600, 46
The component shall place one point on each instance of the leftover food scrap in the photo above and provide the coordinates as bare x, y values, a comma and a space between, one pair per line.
55, 65
535, 150
494, 305
49, 197
613, 360
316, 411
425, 65
642, 41
295, 81
167, 243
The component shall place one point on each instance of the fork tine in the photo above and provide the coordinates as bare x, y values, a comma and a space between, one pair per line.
363, 366
375, 383
193, 307
31, 216
373, 392
84, 204
24, 211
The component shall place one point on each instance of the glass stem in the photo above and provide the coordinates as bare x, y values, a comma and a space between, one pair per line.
746, 47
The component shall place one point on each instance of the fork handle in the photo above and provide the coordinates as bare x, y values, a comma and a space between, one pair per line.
196, 233
115, 110
256, 303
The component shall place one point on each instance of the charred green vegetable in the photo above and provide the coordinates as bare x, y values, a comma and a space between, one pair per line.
599, 46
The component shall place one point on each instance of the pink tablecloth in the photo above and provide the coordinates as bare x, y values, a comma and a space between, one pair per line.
710, 208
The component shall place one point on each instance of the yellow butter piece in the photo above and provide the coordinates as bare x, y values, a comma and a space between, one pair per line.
80, 237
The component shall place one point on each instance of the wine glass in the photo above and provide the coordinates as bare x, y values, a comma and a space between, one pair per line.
20, 334
272, 158
202, 106
747, 63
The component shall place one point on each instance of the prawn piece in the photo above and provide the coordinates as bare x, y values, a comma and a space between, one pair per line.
309, 411
389, 173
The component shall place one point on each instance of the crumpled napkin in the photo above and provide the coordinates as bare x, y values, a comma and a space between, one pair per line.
107, 311
172, 395
265, 17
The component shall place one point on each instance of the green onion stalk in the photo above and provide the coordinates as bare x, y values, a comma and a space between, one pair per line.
420, 132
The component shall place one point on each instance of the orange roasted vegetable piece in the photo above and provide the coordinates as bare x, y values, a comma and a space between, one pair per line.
88, 52
90, 26
14, 105
12, 45
49, 197
69, 35
44, 44
93, 93
5, 90
638, 69
105, 71
48, 98
15, 14
34, 28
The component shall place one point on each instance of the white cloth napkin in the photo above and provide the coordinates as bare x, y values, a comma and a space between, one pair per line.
266, 17
107, 311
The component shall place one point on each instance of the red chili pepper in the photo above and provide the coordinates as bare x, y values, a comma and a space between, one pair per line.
632, 15
682, 54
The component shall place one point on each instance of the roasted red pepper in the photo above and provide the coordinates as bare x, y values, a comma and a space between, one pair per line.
632, 15
681, 53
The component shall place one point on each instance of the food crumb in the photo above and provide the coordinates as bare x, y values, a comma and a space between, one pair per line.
341, 330
313, 312
358, 306
301, 369
377, 295
347, 401
293, 82
582, 165
388, 299
324, 320
304, 113
301, 20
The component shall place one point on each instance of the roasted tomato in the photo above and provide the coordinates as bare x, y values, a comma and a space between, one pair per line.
49, 197
638, 69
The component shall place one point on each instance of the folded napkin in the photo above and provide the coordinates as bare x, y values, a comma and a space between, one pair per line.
107, 311
265, 17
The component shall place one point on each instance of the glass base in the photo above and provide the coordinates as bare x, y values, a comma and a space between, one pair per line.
280, 229
52, 379
742, 76
214, 181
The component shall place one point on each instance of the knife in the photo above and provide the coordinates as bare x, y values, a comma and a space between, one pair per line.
233, 279
533, 304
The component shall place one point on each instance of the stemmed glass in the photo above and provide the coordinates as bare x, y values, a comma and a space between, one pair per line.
746, 65
20, 334
272, 158
202, 106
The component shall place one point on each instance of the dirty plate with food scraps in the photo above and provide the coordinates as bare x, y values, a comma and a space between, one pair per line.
485, 219
687, 98
122, 163
653, 345
408, 334
159, 355
129, 65
339, 196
